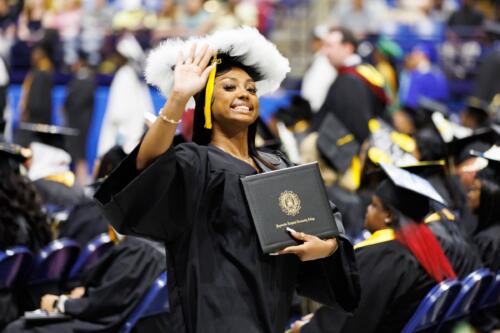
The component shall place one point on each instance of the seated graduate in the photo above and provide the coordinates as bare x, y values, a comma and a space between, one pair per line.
50, 166
398, 265
484, 199
86, 221
190, 196
445, 225
110, 291
22, 221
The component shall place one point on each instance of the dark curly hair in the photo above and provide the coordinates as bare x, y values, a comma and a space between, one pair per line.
19, 199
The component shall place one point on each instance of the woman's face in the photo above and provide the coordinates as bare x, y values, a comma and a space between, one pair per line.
377, 216
235, 99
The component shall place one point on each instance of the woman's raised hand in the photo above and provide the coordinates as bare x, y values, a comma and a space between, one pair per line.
191, 74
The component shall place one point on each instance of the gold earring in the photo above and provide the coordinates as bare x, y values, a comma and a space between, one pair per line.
387, 220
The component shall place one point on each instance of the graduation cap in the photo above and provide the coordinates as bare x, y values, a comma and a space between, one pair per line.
408, 193
480, 110
426, 107
336, 144
433, 172
448, 130
51, 135
243, 47
491, 158
11, 155
480, 140
412, 182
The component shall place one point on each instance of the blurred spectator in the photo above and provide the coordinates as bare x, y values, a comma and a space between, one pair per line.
421, 78
359, 16
130, 16
320, 75
235, 13
129, 99
30, 21
166, 22
385, 56
195, 19
8, 17
65, 16
440, 10
467, 15
487, 84
29, 32
357, 94
36, 97
79, 108
96, 25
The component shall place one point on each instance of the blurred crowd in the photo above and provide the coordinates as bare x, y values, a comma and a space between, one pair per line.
92, 25
410, 82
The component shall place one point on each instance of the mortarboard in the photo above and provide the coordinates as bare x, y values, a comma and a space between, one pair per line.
336, 144
412, 182
491, 158
480, 140
421, 115
11, 155
51, 135
14, 151
242, 47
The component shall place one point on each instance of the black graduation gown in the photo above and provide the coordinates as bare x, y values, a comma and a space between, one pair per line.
353, 103
84, 223
192, 199
392, 285
488, 243
59, 196
114, 286
487, 84
79, 107
39, 99
463, 257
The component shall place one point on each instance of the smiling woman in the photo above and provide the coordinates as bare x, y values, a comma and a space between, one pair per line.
190, 196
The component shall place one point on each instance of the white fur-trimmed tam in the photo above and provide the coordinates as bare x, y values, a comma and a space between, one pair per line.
245, 42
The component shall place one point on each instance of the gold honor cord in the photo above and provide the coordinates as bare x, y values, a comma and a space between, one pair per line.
209, 91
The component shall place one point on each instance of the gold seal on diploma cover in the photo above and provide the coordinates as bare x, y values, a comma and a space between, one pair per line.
289, 203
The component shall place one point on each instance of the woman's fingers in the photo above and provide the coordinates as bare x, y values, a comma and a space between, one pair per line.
192, 52
206, 57
300, 236
199, 55
180, 58
295, 249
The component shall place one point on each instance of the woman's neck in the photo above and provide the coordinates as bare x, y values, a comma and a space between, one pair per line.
235, 144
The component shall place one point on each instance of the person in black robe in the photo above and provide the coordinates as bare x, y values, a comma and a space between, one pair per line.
110, 291
190, 197
50, 166
355, 97
86, 221
36, 100
463, 255
398, 265
79, 108
22, 221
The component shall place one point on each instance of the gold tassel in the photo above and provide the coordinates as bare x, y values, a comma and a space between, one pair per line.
209, 91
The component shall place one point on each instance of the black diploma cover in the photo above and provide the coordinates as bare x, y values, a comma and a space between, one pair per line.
293, 197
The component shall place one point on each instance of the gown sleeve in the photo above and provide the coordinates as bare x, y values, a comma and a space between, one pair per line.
159, 202
333, 280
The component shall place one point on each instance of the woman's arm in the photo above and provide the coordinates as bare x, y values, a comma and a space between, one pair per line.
190, 76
